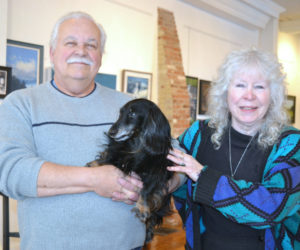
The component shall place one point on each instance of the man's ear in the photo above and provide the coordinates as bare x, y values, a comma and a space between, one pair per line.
51, 52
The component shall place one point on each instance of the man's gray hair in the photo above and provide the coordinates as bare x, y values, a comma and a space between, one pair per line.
76, 15
267, 64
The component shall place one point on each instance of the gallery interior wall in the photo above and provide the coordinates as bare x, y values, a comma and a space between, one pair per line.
289, 56
131, 27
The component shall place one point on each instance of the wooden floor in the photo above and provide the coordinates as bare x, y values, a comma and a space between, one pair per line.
172, 241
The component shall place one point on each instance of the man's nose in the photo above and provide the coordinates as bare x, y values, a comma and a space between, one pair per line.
81, 49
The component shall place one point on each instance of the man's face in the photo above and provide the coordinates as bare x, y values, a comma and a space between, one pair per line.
77, 53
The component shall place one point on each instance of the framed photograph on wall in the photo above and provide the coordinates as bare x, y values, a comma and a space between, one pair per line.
26, 61
137, 83
193, 90
5, 80
291, 107
203, 95
107, 80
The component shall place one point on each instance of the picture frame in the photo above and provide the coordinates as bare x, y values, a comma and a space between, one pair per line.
193, 90
291, 107
5, 80
137, 83
27, 63
107, 80
203, 96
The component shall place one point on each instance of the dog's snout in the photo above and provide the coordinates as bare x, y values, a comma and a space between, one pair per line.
112, 131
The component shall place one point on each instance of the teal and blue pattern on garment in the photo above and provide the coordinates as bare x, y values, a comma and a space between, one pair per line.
273, 204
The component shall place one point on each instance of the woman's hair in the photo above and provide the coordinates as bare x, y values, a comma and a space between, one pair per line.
76, 15
271, 69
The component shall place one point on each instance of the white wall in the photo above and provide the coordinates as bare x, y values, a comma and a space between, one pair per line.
131, 27
205, 39
130, 30
289, 56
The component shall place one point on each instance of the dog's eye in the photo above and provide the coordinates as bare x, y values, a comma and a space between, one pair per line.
132, 114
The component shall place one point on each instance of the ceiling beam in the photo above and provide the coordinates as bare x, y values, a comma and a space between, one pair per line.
253, 14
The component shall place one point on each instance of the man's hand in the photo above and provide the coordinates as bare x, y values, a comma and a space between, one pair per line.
112, 183
131, 187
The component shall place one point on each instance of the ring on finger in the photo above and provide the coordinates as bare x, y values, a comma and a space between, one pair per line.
182, 164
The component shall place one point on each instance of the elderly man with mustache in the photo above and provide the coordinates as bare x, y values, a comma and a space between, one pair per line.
49, 132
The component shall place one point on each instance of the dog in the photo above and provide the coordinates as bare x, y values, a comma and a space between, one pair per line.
139, 141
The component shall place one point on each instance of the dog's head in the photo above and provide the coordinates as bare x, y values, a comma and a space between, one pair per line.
141, 118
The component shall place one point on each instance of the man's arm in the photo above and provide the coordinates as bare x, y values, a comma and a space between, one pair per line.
54, 179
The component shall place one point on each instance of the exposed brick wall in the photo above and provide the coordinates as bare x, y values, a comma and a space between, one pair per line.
173, 97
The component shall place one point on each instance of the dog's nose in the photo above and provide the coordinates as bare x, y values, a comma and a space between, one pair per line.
112, 131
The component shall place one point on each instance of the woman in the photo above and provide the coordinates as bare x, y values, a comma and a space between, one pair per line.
243, 190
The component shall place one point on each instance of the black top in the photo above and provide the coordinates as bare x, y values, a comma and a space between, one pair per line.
222, 233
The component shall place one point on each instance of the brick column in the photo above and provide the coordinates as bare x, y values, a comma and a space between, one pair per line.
173, 97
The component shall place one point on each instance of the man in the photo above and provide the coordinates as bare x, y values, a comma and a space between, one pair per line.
48, 133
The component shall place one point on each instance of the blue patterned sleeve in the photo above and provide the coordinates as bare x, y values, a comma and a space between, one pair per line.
190, 141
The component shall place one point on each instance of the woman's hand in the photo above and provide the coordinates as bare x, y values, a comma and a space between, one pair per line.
185, 164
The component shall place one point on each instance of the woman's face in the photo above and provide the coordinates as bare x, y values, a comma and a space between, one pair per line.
248, 100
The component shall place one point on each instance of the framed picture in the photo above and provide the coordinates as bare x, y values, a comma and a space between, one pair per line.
107, 80
291, 107
5, 80
203, 94
193, 90
26, 61
137, 83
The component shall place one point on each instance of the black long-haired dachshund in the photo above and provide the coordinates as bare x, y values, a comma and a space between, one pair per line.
139, 141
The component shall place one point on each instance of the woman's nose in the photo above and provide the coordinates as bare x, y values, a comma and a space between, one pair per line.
249, 93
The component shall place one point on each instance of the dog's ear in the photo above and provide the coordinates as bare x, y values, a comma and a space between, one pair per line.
157, 134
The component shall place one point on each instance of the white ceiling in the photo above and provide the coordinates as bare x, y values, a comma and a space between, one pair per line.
289, 20
292, 11
255, 14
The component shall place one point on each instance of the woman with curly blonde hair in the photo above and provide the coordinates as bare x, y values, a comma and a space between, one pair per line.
243, 163
275, 119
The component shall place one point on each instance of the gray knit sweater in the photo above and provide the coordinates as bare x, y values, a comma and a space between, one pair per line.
42, 124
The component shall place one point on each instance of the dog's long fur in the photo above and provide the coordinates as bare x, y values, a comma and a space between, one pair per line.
139, 142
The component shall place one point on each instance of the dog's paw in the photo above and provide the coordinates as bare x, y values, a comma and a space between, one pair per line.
142, 215
149, 236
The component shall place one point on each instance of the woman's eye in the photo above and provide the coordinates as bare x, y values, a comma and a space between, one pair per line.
240, 85
259, 86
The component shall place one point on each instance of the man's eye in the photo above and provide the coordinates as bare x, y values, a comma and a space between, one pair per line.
70, 43
91, 46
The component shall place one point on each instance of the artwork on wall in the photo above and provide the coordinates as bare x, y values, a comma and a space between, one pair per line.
291, 107
203, 94
137, 83
107, 80
5, 80
193, 90
26, 61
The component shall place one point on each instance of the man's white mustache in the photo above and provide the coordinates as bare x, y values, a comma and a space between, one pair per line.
79, 60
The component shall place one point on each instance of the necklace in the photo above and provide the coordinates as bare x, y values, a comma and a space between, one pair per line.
237, 166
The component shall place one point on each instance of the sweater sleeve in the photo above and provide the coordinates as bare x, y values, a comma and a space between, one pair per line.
260, 205
19, 163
